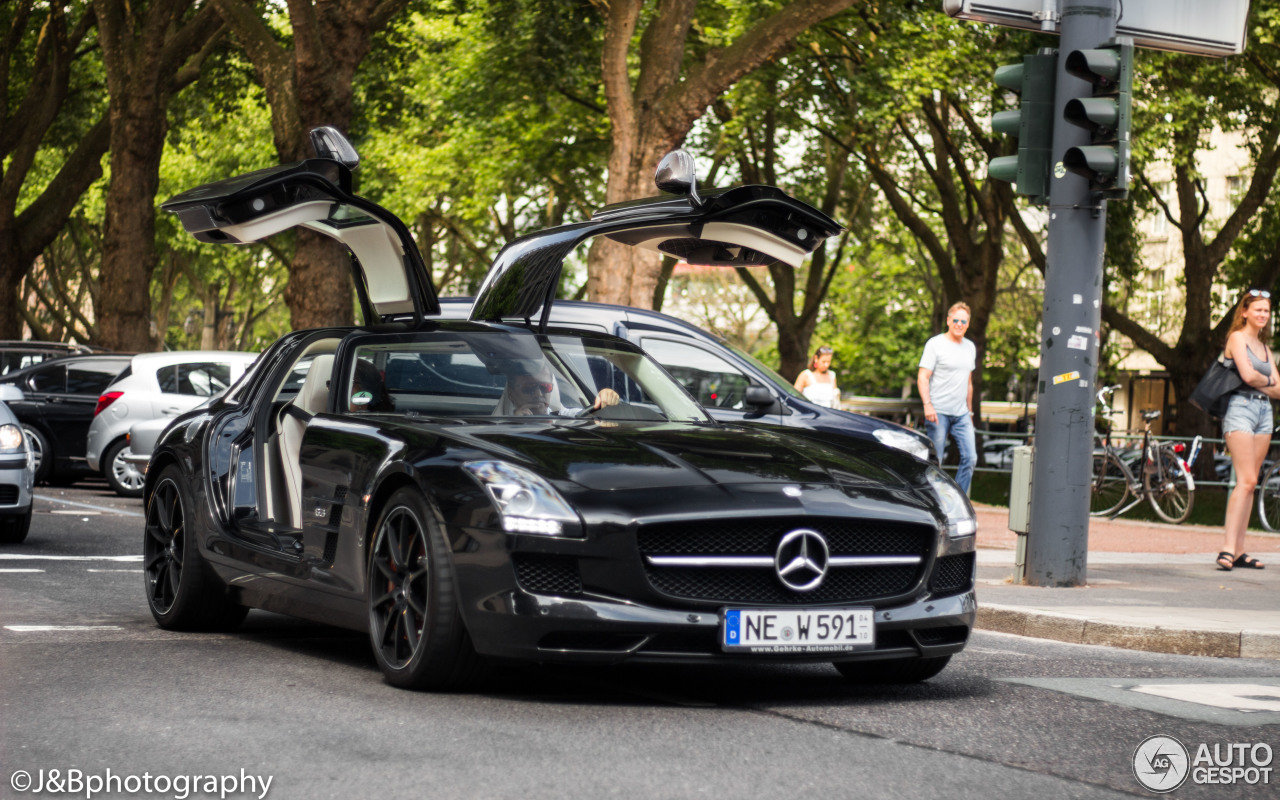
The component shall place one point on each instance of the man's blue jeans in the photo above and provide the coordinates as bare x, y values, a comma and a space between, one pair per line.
961, 428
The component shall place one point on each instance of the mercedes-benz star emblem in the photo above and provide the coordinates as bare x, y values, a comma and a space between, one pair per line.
801, 560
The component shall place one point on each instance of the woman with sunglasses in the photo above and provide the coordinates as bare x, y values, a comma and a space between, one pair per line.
818, 382
1248, 422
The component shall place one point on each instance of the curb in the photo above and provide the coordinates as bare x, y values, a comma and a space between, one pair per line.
1074, 629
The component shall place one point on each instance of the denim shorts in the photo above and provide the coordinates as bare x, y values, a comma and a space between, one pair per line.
1249, 412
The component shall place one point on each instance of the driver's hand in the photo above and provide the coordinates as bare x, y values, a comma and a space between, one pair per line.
606, 397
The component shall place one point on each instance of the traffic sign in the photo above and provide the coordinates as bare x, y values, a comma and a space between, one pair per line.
1198, 27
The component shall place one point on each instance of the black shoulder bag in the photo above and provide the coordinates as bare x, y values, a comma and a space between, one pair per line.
1214, 390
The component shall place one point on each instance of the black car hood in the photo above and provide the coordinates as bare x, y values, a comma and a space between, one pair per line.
646, 456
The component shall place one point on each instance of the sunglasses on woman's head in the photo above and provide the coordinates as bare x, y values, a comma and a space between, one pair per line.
1263, 293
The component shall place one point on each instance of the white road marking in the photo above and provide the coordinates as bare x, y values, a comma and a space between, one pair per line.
106, 509
43, 628
23, 570
74, 513
1245, 697
131, 571
28, 557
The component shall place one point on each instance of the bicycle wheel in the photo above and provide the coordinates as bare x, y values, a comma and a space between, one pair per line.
1110, 486
1169, 486
1269, 498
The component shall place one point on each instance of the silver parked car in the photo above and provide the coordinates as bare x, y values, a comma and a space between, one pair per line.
17, 472
154, 385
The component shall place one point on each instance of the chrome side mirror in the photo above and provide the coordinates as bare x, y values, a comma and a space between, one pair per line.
329, 143
677, 173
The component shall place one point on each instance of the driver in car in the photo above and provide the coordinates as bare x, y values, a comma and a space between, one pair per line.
537, 392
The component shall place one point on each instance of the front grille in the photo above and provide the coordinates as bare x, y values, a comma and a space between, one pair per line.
761, 584
952, 575
8, 494
760, 537
756, 536
544, 574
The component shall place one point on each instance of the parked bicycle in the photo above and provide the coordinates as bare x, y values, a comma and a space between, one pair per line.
1166, 480
1269, 498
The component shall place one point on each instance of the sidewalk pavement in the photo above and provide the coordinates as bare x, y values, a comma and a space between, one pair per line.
1150, 586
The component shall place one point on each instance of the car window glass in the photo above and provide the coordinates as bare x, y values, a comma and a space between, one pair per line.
510, 374
86, 380
53, 379
167, 377
715, 382
202, 379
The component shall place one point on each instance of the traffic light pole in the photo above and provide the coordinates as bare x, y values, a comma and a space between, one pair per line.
1057, 543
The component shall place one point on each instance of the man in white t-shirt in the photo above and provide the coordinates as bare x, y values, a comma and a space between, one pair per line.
946, 386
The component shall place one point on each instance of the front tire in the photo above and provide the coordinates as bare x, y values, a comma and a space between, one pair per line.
896, 670
182, 594
1110, 485
1269, 498
124, 478
14, 528
415, 625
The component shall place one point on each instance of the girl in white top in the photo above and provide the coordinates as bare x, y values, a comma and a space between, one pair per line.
818, 382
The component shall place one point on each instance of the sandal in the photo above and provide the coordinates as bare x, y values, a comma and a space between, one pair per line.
1225, 562
1245, 562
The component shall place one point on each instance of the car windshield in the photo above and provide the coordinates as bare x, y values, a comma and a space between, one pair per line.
500, 374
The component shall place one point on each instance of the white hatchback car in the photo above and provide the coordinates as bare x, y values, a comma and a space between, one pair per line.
154, 385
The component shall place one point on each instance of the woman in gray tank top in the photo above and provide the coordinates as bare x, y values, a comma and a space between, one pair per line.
1248, 421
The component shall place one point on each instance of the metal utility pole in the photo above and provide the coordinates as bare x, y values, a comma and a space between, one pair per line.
1057, 544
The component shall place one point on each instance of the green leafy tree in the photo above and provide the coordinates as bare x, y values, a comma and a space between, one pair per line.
53, 133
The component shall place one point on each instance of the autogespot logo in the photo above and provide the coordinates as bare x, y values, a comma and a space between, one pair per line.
1161, 763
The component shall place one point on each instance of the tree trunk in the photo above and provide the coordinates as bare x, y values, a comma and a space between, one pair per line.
149, 52
308, 85
654, 113
28, 111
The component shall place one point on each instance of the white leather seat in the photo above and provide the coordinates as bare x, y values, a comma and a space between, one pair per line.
311, 400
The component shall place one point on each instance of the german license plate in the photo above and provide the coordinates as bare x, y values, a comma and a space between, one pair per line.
797, 630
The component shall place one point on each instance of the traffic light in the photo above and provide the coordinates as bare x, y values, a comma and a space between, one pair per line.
1106, 115
1032, 123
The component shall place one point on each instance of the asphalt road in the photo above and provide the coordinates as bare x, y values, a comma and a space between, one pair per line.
88, 683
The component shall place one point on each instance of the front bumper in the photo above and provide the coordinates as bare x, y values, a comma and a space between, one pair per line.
604, 630
15, 487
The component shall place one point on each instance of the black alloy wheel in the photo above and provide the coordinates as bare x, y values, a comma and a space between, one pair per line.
181, 595
415, 627
894, 670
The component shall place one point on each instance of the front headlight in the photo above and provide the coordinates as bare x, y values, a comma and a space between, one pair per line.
903, 441
526, 503
961, 521
11, 438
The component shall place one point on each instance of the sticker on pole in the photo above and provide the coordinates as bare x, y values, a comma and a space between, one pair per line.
1066, 376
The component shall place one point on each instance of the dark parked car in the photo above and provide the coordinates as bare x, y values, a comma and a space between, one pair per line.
504, 487
60, 398
729, 383
16, 355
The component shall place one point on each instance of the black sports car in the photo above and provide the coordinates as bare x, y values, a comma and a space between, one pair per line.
499, 487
